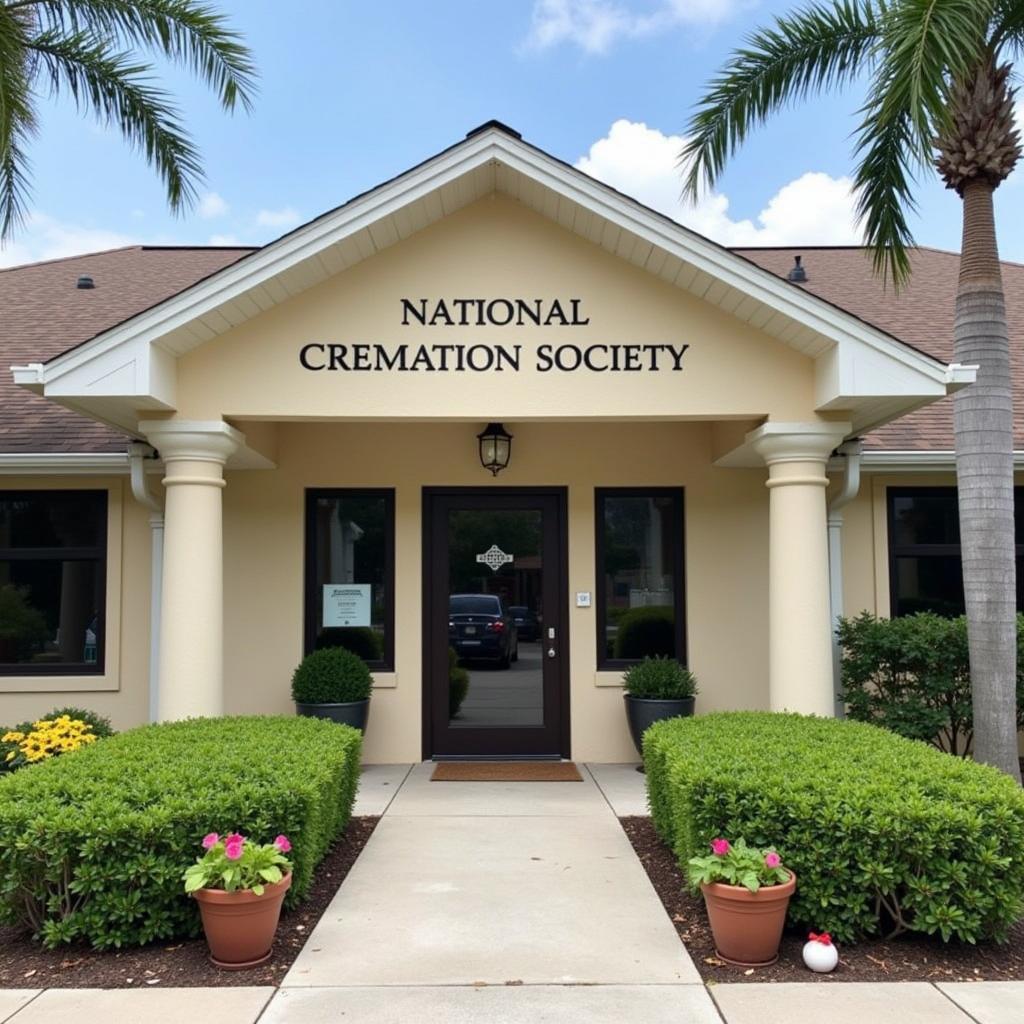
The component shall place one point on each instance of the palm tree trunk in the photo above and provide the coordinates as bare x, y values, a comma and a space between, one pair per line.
983, 426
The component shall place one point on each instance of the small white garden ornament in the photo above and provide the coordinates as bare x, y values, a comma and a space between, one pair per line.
819, 953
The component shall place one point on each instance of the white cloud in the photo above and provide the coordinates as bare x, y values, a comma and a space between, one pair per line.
230, 240
283, 218
595, 25
815, 209
46, 238
212, 205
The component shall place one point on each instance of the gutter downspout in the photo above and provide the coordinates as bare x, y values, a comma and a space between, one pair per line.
138, 454
851, 452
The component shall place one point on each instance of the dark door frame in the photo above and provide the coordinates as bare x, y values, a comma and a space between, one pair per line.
561, 570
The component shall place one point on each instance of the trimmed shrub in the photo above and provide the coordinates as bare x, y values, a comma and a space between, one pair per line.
646, 631
912, 675
659, 679
92, 847
360, 640
331, 675
458, 683
885, 834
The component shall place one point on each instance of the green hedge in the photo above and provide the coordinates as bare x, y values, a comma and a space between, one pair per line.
913, 675
93, 846
885, 834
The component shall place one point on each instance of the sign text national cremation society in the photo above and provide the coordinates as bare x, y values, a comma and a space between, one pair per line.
482, 357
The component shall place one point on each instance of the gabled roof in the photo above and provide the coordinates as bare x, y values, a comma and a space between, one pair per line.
43, 313
125, 367
921, 315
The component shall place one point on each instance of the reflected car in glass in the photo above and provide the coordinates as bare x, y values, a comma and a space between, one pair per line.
526, 620
481, 628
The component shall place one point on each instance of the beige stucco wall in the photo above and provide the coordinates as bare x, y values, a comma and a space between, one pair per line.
409, 430
122, 691
726, 556
730, 370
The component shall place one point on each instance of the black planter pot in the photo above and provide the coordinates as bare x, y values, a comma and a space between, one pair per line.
354, 713
642, 713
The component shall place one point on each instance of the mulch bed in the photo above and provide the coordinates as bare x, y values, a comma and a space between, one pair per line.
25, 964
908, 958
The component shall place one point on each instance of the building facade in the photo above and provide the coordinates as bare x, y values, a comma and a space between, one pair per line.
491, 410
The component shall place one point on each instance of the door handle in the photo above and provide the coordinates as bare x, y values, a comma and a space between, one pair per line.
551, 652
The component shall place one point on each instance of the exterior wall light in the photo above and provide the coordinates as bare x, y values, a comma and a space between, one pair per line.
495, 447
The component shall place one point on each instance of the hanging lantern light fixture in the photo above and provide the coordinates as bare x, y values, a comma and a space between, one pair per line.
495, 447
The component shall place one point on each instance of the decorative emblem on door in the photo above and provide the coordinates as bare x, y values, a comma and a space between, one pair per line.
494, 558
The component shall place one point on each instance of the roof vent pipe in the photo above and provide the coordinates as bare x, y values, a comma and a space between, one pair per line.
797, 275
85, 281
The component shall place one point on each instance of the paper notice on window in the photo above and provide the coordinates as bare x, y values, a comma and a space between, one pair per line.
347, 604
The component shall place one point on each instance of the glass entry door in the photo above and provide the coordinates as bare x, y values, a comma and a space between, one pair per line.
494, 620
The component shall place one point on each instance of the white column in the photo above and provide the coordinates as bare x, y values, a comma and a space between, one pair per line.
799, 615
191, 670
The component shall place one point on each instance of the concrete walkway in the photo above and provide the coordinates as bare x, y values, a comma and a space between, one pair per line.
501, 903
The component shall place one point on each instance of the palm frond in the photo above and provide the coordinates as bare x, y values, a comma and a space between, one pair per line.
819, 48
926, 45
1008, 27
883, 187
187, 32
118, 91
17, 120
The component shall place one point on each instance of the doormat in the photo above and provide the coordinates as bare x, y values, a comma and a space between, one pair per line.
506, 771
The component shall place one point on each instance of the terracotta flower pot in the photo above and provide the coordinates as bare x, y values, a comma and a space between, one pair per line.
240, 926
747, 926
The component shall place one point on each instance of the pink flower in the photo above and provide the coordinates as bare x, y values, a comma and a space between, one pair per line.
210, 840
772, 860
233, 848
235, 837
281, 842
720, 847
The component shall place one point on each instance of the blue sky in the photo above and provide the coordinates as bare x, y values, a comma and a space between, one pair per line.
353, 93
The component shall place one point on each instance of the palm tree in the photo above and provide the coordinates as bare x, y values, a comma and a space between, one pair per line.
90, 50
937, 74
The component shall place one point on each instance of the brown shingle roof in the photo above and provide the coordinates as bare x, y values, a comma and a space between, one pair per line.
921, 315
43, 313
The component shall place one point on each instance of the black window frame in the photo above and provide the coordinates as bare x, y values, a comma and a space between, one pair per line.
897, 551
310, 604
93, 552
678, 496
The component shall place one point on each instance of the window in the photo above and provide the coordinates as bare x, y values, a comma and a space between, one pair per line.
53, 553
640, 609
350, 572
925, 574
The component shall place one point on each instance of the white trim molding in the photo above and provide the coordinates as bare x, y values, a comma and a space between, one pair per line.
50, 463
918, 461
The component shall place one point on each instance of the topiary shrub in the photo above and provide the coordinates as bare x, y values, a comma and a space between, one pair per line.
359, 640
331, 675
92, 847
885, 834
912, 675
458, 683
646, 632
659, 679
